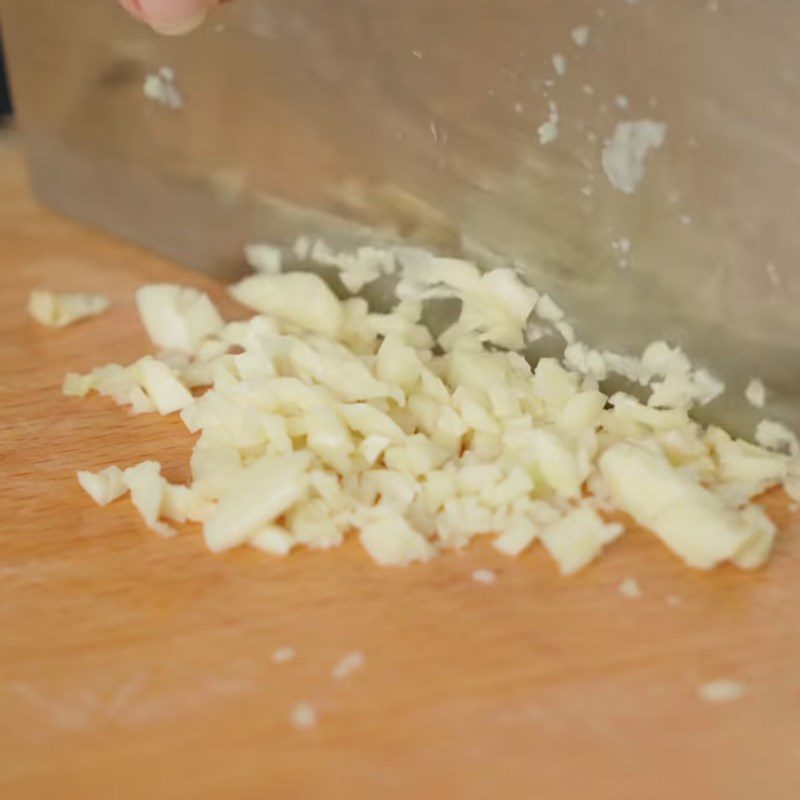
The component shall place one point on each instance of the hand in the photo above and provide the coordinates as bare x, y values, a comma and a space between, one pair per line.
171, 17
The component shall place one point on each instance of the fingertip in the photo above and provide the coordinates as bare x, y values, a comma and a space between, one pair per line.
134, 8
173, 17
179, 26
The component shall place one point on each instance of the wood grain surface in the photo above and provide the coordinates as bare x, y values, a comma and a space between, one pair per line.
136, 667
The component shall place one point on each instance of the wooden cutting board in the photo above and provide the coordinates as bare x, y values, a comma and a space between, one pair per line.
136, 667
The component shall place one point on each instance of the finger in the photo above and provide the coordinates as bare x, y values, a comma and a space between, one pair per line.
171, 17
132, 7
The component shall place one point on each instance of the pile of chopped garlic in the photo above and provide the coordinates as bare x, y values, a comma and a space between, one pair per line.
317, 417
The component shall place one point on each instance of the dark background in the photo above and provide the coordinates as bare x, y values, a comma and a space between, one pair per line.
5, 98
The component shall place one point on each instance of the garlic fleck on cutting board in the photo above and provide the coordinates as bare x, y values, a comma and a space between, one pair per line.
283, 655
484, 576
304, 716
160, 87
348, 664
630, 589
625, 153
580, 35
721, 690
